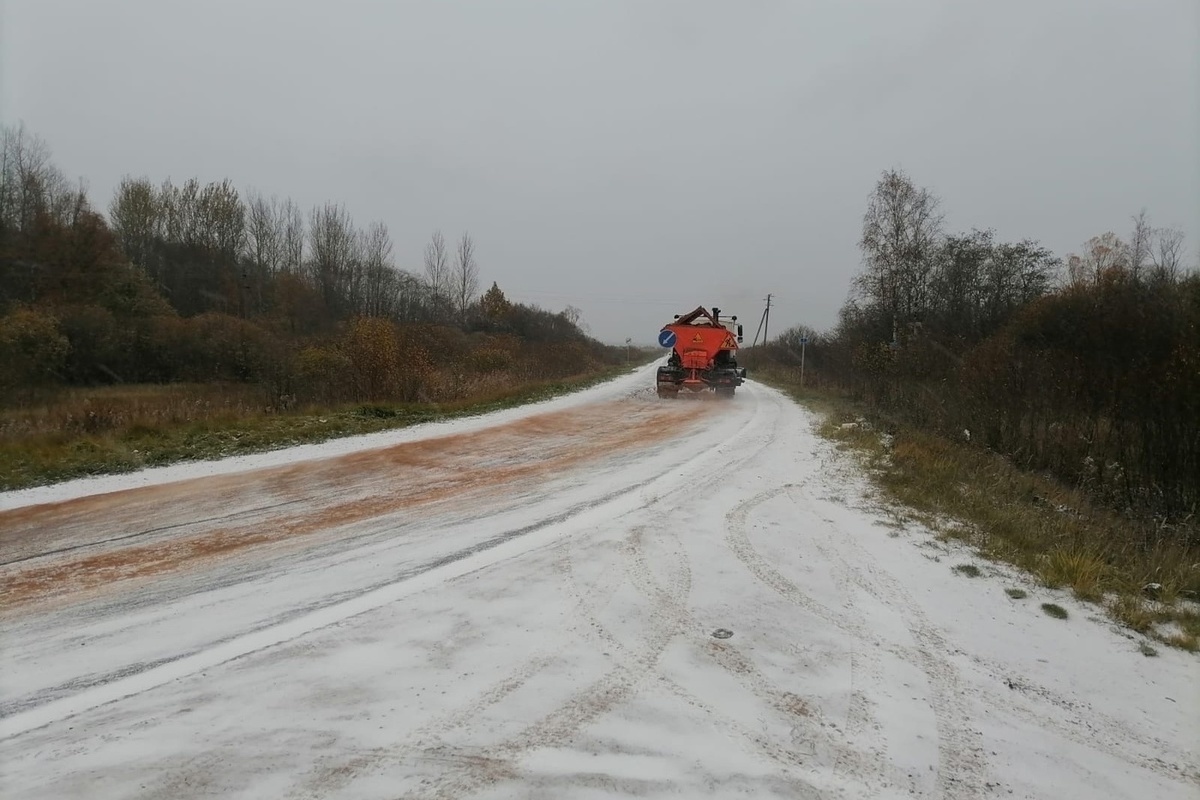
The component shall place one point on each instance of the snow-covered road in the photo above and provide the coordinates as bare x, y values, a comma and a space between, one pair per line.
600, 595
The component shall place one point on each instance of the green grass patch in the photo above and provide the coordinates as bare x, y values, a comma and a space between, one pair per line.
155, 426
970, 570
964, 492
1054, 610
1016, 594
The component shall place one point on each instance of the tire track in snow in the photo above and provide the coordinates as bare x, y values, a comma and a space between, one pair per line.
758, 744
1097, 732
427, 743
510, 544
1078, 721
488, 765
961, 763
738, 541
863, 659
816, 729
1082, 725
1088, 727
619, 684
862, 725
330, 777
673, 604
961, 766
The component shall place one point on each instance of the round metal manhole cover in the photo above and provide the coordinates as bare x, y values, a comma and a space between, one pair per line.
722, 633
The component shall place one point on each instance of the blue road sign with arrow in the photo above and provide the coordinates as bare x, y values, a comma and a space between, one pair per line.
666, 338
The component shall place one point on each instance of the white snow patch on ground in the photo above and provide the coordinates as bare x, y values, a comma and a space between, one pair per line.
561, 646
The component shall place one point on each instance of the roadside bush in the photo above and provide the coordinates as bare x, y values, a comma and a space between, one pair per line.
321, 374
224, 347
372, 349
33, 350
95, 343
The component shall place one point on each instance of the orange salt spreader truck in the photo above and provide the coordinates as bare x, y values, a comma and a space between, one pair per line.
703, 354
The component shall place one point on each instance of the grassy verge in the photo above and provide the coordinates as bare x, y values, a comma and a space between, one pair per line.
172, 424
1144, 576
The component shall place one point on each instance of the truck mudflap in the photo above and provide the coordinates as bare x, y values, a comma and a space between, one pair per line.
671, 381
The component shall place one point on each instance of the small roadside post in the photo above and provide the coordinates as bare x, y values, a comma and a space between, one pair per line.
803, 343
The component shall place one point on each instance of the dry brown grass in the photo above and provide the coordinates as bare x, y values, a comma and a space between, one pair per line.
104, 409
1083, 570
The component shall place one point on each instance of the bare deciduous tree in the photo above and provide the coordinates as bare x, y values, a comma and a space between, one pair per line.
437, 270
1168, 254
466, 276
379, 288
1141, 243
1016, 274
410, 298
187, 220
29, 183
221, 220
1100, 254
264, 239
957, 282
264, 242
333, 244
291, 223
134, 216
7, 180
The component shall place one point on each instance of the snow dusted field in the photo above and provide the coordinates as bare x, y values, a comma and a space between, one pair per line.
536, 604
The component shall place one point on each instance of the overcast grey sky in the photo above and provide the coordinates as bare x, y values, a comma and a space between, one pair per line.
634, 158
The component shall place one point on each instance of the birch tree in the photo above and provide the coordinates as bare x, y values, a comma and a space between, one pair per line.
901, 231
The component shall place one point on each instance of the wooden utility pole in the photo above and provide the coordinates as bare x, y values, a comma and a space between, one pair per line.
767, 321
764, 322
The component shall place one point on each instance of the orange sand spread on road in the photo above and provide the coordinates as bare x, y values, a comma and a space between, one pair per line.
284, 508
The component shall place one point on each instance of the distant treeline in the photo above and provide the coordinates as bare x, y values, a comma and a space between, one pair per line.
197, 282
1087, 368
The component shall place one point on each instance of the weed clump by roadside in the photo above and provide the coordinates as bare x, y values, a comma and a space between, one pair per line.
1017, 594
1054, 610
969, 570
1080, 568
1184, 641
